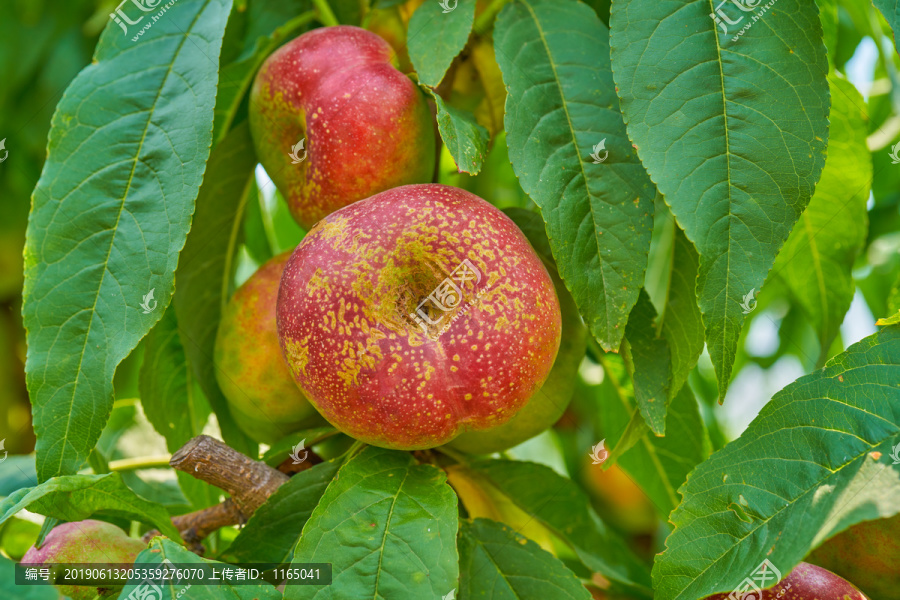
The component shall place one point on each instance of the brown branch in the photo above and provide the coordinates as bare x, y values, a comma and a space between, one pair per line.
247, 481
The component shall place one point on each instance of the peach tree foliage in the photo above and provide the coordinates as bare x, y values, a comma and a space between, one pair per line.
728, 165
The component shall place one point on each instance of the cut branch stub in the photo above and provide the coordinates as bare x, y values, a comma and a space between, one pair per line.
247, 481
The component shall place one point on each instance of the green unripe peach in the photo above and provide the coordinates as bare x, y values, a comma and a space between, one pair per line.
250, 369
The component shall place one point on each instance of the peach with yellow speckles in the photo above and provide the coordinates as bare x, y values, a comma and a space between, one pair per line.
367, 127
806, 582
416, 315
250, 369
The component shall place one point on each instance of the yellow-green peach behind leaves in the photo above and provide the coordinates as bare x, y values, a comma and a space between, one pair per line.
250, 368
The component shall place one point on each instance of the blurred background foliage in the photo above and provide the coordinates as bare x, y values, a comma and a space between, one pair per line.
46, 42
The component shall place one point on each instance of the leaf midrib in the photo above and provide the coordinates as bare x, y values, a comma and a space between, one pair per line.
723, 378
815, 256
792, 503
387, 527
115, 230
565, 107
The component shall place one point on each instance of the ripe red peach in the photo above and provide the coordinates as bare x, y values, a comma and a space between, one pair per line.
416, 315
88, 542
250, 368
549, 402
364, 126
807, 582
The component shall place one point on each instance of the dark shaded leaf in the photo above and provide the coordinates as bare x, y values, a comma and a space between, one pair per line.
497, 563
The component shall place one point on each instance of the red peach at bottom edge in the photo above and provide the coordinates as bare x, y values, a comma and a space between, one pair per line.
416, 315
83, 542
807, 582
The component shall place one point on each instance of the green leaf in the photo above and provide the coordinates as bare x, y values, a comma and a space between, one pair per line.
562, 507
348, 12
658, 465
121, 419
816, 262
815, 461
437, 36
17, 472
11, 591
111, 211
466, 140
828, 14
237, 76
256, 239
77, 497
647, 357
892, 320
498, 563
207, 264
402, 518
891, 11
680, 321
272, 532
162, 549
561, 105
17, 536
171, 400
732, 131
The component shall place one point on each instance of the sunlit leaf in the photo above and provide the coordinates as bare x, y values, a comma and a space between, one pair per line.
731, 123
111, 212
815, 461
